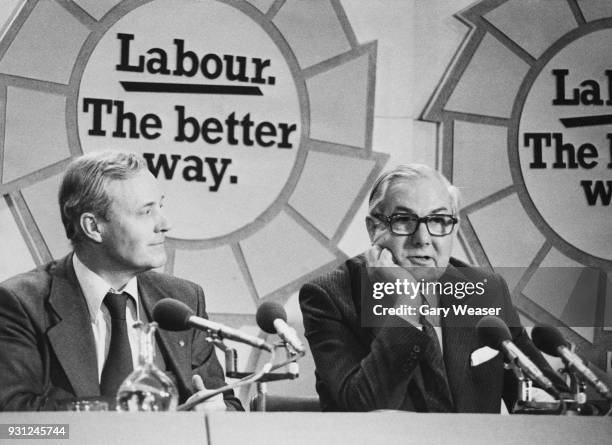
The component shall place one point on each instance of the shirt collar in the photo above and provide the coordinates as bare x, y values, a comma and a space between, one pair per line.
95, 288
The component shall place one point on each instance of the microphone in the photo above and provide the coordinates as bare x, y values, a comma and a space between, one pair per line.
548, 339
272, 318
493, 332
174, 315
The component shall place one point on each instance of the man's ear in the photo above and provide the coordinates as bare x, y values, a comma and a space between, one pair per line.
90, 227
373, 226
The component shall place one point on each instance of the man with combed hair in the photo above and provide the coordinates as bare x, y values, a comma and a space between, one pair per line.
66, 328
410, 361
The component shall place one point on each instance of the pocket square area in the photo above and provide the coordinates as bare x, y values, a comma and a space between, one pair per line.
482, 355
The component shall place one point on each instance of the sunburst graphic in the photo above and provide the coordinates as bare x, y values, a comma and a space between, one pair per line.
499, 89
48, 61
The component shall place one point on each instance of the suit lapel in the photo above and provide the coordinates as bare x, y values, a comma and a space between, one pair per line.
175, 346
71, 338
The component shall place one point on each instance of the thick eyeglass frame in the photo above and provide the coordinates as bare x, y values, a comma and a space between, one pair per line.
389, 220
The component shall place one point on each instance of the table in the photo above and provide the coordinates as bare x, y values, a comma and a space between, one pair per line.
187, 428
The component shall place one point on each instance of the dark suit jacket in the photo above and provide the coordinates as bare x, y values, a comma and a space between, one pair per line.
362, 369
47, 350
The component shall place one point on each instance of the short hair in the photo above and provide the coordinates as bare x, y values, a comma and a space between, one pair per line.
409, 172
84, 186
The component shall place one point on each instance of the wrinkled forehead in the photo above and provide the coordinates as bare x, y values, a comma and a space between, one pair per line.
133, 192
421, 196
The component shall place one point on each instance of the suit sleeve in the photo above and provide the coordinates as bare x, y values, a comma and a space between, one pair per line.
205, 362
23, 385
359, 378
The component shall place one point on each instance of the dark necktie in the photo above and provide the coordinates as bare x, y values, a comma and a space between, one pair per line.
118, 363
437, 391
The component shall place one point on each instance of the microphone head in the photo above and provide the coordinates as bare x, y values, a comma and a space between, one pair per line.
548, 339
492, 331
172, 315
267, 313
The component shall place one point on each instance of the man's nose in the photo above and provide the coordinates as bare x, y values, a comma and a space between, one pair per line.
421, 237
163, 224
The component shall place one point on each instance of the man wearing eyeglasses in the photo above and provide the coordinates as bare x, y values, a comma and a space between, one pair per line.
416, 353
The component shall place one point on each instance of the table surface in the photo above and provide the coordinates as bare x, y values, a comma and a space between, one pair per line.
188, 428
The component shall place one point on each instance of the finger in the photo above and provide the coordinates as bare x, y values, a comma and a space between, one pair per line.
197, 382
372, 254
379, 238
374, 250
387, 257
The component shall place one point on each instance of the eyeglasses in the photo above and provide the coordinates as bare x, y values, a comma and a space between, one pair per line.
403, 224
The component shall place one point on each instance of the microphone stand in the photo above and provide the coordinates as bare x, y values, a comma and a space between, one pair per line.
579, 405
525, 403
245, 378
524, 385
577, 387
262, 389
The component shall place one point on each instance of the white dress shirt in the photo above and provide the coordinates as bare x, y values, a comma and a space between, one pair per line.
95, 289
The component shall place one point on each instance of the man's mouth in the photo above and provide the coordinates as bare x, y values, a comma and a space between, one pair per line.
420, 259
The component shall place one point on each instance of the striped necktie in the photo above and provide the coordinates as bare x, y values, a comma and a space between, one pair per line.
437, 392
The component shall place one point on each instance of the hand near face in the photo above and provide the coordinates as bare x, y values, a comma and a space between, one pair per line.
215, 403
381, 267
379, 256
424, 255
